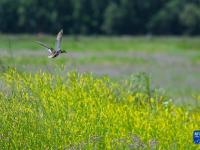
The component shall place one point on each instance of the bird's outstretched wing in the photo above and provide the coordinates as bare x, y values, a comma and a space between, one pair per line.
50, 50
42, 44
58, 40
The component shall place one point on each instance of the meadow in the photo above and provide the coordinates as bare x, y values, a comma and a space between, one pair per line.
102, 43
106, 93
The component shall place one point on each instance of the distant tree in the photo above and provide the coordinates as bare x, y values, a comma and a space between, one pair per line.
112, 19
100, 16
88, 16
131, 17
26, 17
190, 18
167, 20
97, 15
8, 16
64, 18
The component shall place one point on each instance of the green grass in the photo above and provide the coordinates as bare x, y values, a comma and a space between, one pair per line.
41, 60
62, 109
173, 62
82, 111
80, 43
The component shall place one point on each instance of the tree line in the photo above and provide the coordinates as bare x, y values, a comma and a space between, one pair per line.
112, 17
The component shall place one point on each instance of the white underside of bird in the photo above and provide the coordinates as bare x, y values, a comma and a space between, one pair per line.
53, 54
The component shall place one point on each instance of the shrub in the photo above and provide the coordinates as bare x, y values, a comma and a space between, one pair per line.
82, 111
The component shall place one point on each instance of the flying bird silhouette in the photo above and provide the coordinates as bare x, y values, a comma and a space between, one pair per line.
57, 51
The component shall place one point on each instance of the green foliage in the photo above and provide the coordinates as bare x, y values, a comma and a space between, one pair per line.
81, 111
167, 19
100, 16
112, 19
190, 18
19, 43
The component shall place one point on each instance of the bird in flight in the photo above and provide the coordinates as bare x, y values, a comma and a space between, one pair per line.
57, 51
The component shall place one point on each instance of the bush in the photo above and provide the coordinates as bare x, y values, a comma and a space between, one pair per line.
45, 111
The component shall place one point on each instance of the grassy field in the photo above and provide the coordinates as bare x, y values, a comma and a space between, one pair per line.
172, 62
105, 93
102, 43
